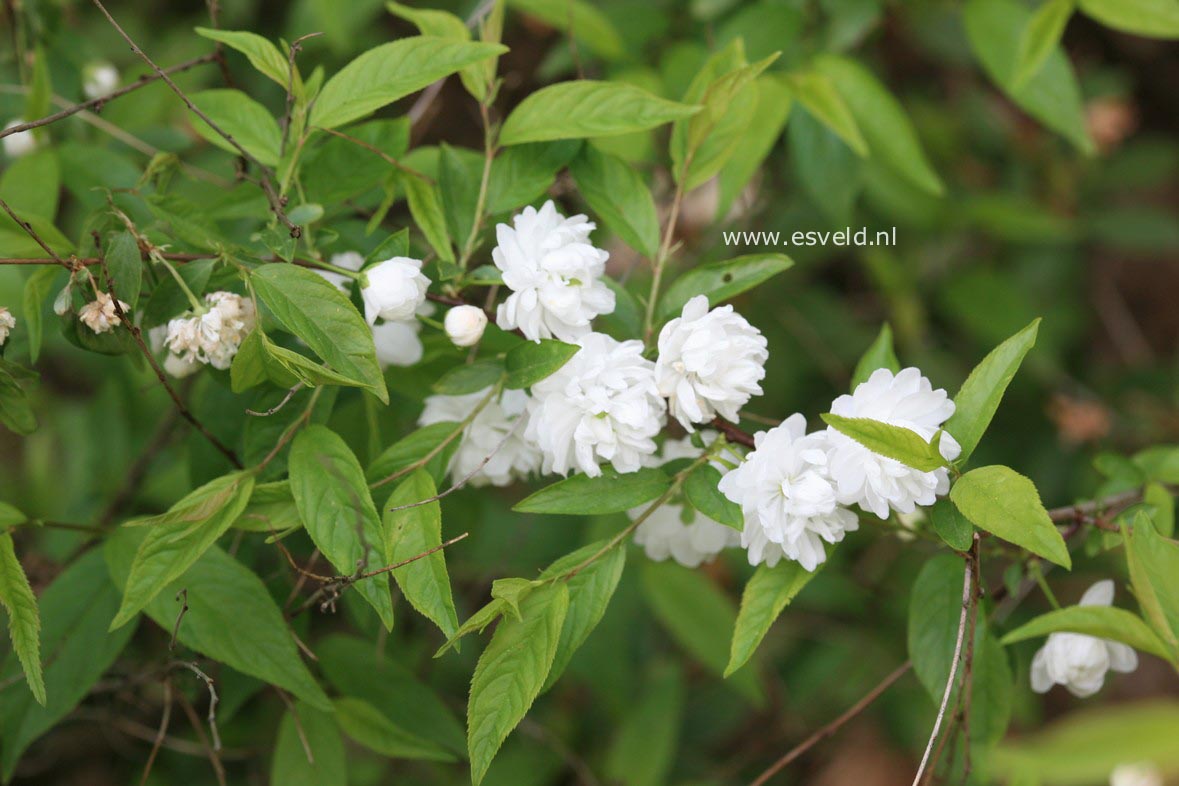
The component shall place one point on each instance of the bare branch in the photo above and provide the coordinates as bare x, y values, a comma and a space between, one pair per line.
212, 753
161, 734
28, 228
212, 716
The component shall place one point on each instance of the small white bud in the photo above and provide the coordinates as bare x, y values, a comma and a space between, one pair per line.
465, 325
62, 303
19, 144
99, 78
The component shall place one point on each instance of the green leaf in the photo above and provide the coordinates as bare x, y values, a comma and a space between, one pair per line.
414, 531
698, 616
1001, 501
523, 173
617, 194
441, 439
460, 171
894, 442
316, 312
24, 621
817, 93
31, 184
37, 289
774, 102
581, 21
77, 648
466, 379
262, 54
611, 492
767, 593
979, 397
530, 362
1163, 502
587, 108
1154, 575
721, 281
887, 130
700, 488
993, 690
590, 590
879, 355
243, 118
951, 526
995, 31
1086, 745
326, 763
425, 205
360, 668
643, 750
1041, 37
511, 672
11, 516
391, 71
125, 266
935, 608
1104, 622
16, 408
367, 725
178, 538
443, 24
1151, 18
338, 512
231, 617
259, 359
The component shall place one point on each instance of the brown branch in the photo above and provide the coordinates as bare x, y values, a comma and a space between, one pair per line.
28, 228
161, 734
97, 103
282, 694
213, 699
182, 597
137, 334
213, 755
276, 202
732, 432
834, 725
295, 47
968, 666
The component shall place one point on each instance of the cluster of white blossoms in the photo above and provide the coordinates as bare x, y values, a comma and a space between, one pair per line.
7, 323
493, 449
601, 406
554, 273
100, 314
795, 488
99, 78
211, 337
19, 144
710, 363
679, 531
1080, 662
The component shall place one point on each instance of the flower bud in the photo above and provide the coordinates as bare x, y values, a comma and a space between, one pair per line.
465, 324
393, 289
99, 78
7, 323
64, 299
19, 144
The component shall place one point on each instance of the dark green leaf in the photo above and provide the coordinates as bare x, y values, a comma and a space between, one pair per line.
414, 531
367, 725
465, 379
24, 621
530, 362
439, 439
590, 590
721, 280
586, 108
879, 355
768, 592
700, 488
611, 492
617, 194
326, 763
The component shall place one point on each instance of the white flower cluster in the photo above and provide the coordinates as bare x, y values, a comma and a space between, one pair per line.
396, 339
211, 337
100, 314
496, 432
794, 488
7, 323
1077, 661
21, 143
554, 273
99, 78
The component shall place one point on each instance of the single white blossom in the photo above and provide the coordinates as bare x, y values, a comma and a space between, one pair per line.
1138, 774
788, 498
214, 336
872, 481
7, 323
181, 367
496, 432
99, 78
465, 325
349, 260
397, 342
21, 143
601, 406
1077, 661
709, 362
394, 290
100, 314
554, 273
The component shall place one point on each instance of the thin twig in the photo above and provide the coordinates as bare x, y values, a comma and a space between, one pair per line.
161, 734
97, 103
834, 725
294, 49
285, 400
388, 159
282, 694
276, 202
213, 700
28, 228
967, 585
213, 754
182, 597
